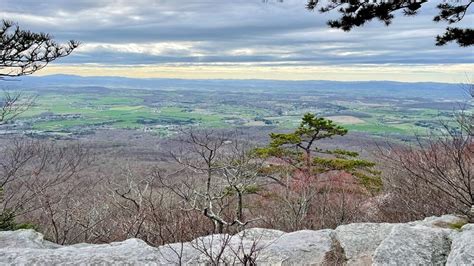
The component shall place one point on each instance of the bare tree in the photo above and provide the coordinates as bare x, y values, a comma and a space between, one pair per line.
223, 163
22, 52
444, 165
13, 104
441, 166
138, 207
33, 171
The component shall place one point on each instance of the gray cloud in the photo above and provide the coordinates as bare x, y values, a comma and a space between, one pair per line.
213, 31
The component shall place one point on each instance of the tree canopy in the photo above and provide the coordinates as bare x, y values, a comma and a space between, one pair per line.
23, 52
299, 150
355, 13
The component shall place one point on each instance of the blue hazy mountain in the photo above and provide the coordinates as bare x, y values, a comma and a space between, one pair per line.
361, 88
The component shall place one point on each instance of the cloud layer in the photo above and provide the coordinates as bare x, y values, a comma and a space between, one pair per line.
239, 32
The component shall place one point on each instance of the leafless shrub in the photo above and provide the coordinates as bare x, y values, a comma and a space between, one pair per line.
248, 248
13, 105
30, 168
336, 199
213, 248
40, 179
433, 177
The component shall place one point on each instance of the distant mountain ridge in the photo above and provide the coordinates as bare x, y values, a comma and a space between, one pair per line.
391, 88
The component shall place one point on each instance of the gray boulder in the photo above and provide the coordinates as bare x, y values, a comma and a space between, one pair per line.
303, 248
266, 247
413, 245
27, 247
432, 241
260, 234
177, 253
462, 248
225, 249
360, 240
446, 221
27, 238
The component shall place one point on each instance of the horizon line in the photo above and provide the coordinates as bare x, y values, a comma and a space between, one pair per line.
230, 79
452, 73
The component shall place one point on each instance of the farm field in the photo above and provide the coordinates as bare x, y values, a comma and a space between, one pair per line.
64, 110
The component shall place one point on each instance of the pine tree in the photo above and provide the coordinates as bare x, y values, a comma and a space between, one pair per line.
298, 149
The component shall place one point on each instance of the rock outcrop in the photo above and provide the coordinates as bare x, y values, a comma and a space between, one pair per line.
360, 240
433, 241
462, 247
418, 245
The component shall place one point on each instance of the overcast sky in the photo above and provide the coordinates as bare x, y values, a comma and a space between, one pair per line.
239, 39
